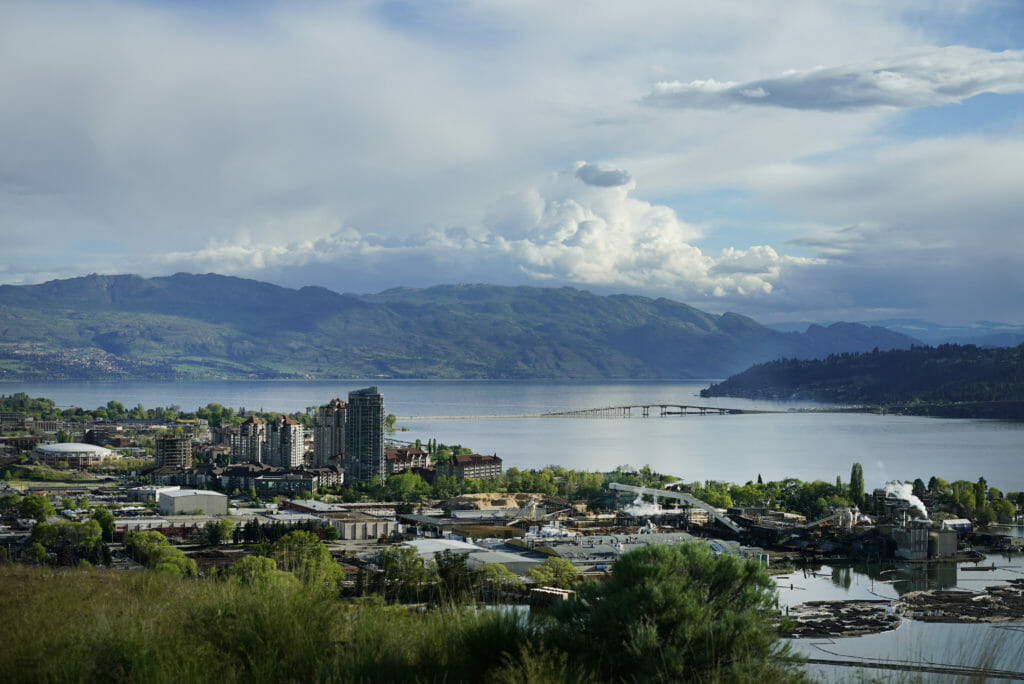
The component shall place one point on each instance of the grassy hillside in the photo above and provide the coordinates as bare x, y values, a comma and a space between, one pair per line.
715, 623
185, 326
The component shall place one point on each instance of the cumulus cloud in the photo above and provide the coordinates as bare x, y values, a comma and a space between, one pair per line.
921, 78
602, 177
562, 232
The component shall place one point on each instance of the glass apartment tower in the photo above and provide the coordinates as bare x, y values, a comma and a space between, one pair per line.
364, 436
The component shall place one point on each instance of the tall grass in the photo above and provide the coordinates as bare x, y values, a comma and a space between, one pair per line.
92, 625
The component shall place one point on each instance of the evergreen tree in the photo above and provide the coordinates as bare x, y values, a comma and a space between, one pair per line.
857, 484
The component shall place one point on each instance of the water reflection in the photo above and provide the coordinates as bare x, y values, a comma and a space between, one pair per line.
907, 577
842, 577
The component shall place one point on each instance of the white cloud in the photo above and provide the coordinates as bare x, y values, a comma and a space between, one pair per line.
566, 231
921, 78
365, 145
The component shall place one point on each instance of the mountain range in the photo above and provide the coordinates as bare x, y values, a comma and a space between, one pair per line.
214, 326
979, 333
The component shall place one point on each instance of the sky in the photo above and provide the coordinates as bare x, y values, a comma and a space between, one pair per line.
785, 159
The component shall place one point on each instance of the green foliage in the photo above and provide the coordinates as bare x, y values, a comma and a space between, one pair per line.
256, 625
453, 584
107, 522
407, 487
301, 553
496, 577
555, 572
36, 506
37, 552
677, 613
152, 549
714, 494
952, 380
857, 484
216, 532
404, 575
259, 571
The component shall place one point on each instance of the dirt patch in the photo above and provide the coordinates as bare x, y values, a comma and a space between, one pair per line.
487, 501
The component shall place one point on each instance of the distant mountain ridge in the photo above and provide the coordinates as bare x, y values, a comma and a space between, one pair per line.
980, 333
192, 326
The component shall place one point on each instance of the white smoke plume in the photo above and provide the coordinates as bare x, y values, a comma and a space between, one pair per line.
904, 492
640, 508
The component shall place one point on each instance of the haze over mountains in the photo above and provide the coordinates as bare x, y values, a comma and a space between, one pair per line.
980, 333
190, 326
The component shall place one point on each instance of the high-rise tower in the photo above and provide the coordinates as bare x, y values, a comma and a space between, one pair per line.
284, 443
364, 436
329, 433
174, 451
247, 445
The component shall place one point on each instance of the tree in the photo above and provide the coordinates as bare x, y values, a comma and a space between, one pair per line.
918, 487
403, 572
407, 487
36, 506
217, 531
453, 578
495, 579
980, 491
107, 522
301, 553
37, 553
857, 484
677, 613
258, 571
554, 572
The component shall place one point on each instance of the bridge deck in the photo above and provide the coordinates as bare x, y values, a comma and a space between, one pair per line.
629, 411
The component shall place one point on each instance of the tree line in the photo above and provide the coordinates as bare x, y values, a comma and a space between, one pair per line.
946, 374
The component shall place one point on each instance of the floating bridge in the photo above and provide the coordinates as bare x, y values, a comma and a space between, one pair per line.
646, 410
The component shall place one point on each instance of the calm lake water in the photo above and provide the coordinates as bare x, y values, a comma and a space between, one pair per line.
734, 448
995, 645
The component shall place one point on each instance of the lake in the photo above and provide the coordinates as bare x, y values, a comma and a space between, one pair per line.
735, 448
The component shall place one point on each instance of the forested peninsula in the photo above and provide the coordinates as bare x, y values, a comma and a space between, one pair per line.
948, 380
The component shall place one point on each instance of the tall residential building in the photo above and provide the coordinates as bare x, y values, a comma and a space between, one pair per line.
247, 444
364, 436
329, 433
284, 446
173, 451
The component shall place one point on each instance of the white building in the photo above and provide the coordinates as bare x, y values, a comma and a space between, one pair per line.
72, 454
186, 501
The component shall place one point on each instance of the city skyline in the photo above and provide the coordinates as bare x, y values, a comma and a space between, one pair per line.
788, 161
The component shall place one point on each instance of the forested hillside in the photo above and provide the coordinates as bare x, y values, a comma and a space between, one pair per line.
188, 326
945, 375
